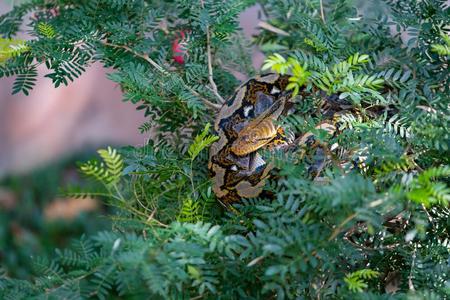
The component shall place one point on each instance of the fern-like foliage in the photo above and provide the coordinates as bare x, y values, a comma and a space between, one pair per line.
277, 63
108, 171
189, 211
46, 30
25, 81
357, 281
442, 49
338, 77
11, 47
201, 141
113, 263
426, 190
114, 164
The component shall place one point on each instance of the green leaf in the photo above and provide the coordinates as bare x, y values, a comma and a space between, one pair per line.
201, 141
10, 48
357, 281
109, 171
46, 30
25, 80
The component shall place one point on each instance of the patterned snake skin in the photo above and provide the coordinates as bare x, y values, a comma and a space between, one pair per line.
246, 124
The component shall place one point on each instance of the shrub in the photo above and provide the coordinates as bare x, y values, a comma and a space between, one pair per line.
377, 231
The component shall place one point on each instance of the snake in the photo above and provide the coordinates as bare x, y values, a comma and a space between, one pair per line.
247, 124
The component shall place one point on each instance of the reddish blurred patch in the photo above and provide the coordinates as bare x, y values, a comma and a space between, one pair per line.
8, 199
69, 208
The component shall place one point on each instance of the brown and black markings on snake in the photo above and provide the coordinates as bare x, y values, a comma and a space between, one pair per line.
247, 123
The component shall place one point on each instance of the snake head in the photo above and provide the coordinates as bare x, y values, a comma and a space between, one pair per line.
252, 138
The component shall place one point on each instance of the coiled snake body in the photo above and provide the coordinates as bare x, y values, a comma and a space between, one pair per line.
246, 124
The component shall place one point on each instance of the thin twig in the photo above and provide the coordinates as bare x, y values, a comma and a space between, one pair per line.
339, 228
197, 297
381, 248
255, 261
161, 70
271, 28
430, 218
143, 56
144, 232
237, 74
410, 282
351, 231
322, 14
209, 57
210, 69
207, 102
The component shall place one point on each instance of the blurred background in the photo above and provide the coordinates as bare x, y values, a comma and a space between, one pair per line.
42, 136
39, 128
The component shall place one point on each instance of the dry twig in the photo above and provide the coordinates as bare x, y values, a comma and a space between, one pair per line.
322, 13
161, 70
210, 69
271, 28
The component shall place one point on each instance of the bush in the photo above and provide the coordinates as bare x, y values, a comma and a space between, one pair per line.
376, 229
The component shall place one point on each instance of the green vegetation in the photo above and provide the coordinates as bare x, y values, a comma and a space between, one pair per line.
377, 228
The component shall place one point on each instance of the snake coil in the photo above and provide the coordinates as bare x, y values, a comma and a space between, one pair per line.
246, 123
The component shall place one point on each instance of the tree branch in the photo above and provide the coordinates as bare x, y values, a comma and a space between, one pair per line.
143, 56
338, 229
209, 57
322, 13
210, 69
208, 103
271, 28
410, 276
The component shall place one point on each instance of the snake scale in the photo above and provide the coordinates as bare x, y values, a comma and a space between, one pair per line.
246, 124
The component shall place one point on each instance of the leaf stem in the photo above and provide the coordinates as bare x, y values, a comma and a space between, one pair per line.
322, 13
210, 68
